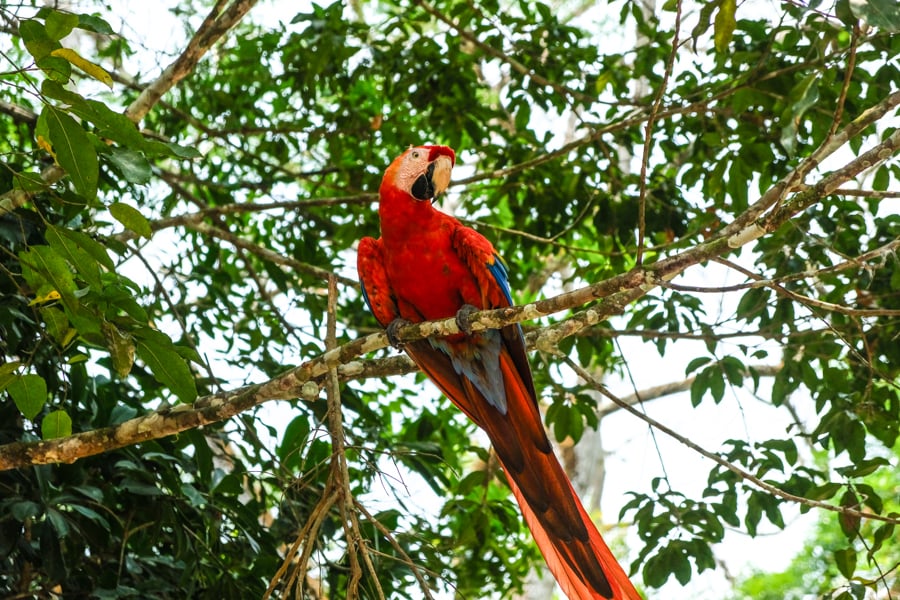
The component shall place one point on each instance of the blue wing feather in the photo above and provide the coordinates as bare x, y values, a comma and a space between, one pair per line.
501, 275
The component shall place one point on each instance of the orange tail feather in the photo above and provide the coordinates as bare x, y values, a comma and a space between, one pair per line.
571, 583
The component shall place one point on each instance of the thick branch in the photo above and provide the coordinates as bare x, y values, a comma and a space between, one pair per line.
216, 25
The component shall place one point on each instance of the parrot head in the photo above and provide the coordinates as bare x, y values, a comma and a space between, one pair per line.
423, 172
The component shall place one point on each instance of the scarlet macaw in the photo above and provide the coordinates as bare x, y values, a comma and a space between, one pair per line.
428, 266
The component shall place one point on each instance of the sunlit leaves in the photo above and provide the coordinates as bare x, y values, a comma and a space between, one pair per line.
29, 392
131, 218
56, 424
724, 24
95, 71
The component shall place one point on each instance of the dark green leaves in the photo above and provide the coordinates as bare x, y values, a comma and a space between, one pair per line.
131, 164
166, 364
884, 14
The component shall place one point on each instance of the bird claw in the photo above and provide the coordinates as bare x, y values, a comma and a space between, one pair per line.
464, 318
392, 331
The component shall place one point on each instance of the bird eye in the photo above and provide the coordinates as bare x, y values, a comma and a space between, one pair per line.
415, 154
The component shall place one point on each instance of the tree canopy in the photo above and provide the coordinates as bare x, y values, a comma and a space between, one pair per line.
180, 198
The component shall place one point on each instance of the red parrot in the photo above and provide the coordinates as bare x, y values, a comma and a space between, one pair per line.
427, 266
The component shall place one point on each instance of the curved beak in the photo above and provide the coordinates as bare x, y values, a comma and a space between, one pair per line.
440, 174
435, 180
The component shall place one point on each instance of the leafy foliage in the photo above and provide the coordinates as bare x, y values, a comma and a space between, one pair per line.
158, 254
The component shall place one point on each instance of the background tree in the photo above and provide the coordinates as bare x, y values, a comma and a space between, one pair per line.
178, 227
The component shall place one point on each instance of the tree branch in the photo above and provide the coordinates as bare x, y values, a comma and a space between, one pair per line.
217, 23
675, 387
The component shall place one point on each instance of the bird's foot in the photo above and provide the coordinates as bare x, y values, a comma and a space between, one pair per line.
464, 318
392, 331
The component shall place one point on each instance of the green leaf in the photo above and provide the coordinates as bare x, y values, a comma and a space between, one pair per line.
89, 245
7, 373
168, 367
56, 68
183, 151
824, 491
131, 218
883, 14
57, 325
29, 182
846, 561
131, 164
59, 24
56, 424
74, 151
724, 25
37, 42
121, 348
46, 271
95, 24
109, 123
696, 364
882, 534
803, 96
716, 383
91, 514
699, 387
849, 523
83, 262
703, 21
295, 438
29, 392
861, 468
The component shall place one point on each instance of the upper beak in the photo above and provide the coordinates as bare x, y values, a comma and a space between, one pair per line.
440, 176
434, 181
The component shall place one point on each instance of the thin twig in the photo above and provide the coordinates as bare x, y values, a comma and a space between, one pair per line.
648, 136
499, 54
775, 491
413, 567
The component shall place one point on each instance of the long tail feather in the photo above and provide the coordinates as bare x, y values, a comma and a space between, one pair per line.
555, 552
576, 554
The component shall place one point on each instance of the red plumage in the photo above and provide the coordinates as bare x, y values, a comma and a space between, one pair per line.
427, 266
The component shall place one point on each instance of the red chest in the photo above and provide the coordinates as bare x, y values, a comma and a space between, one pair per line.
427, 276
